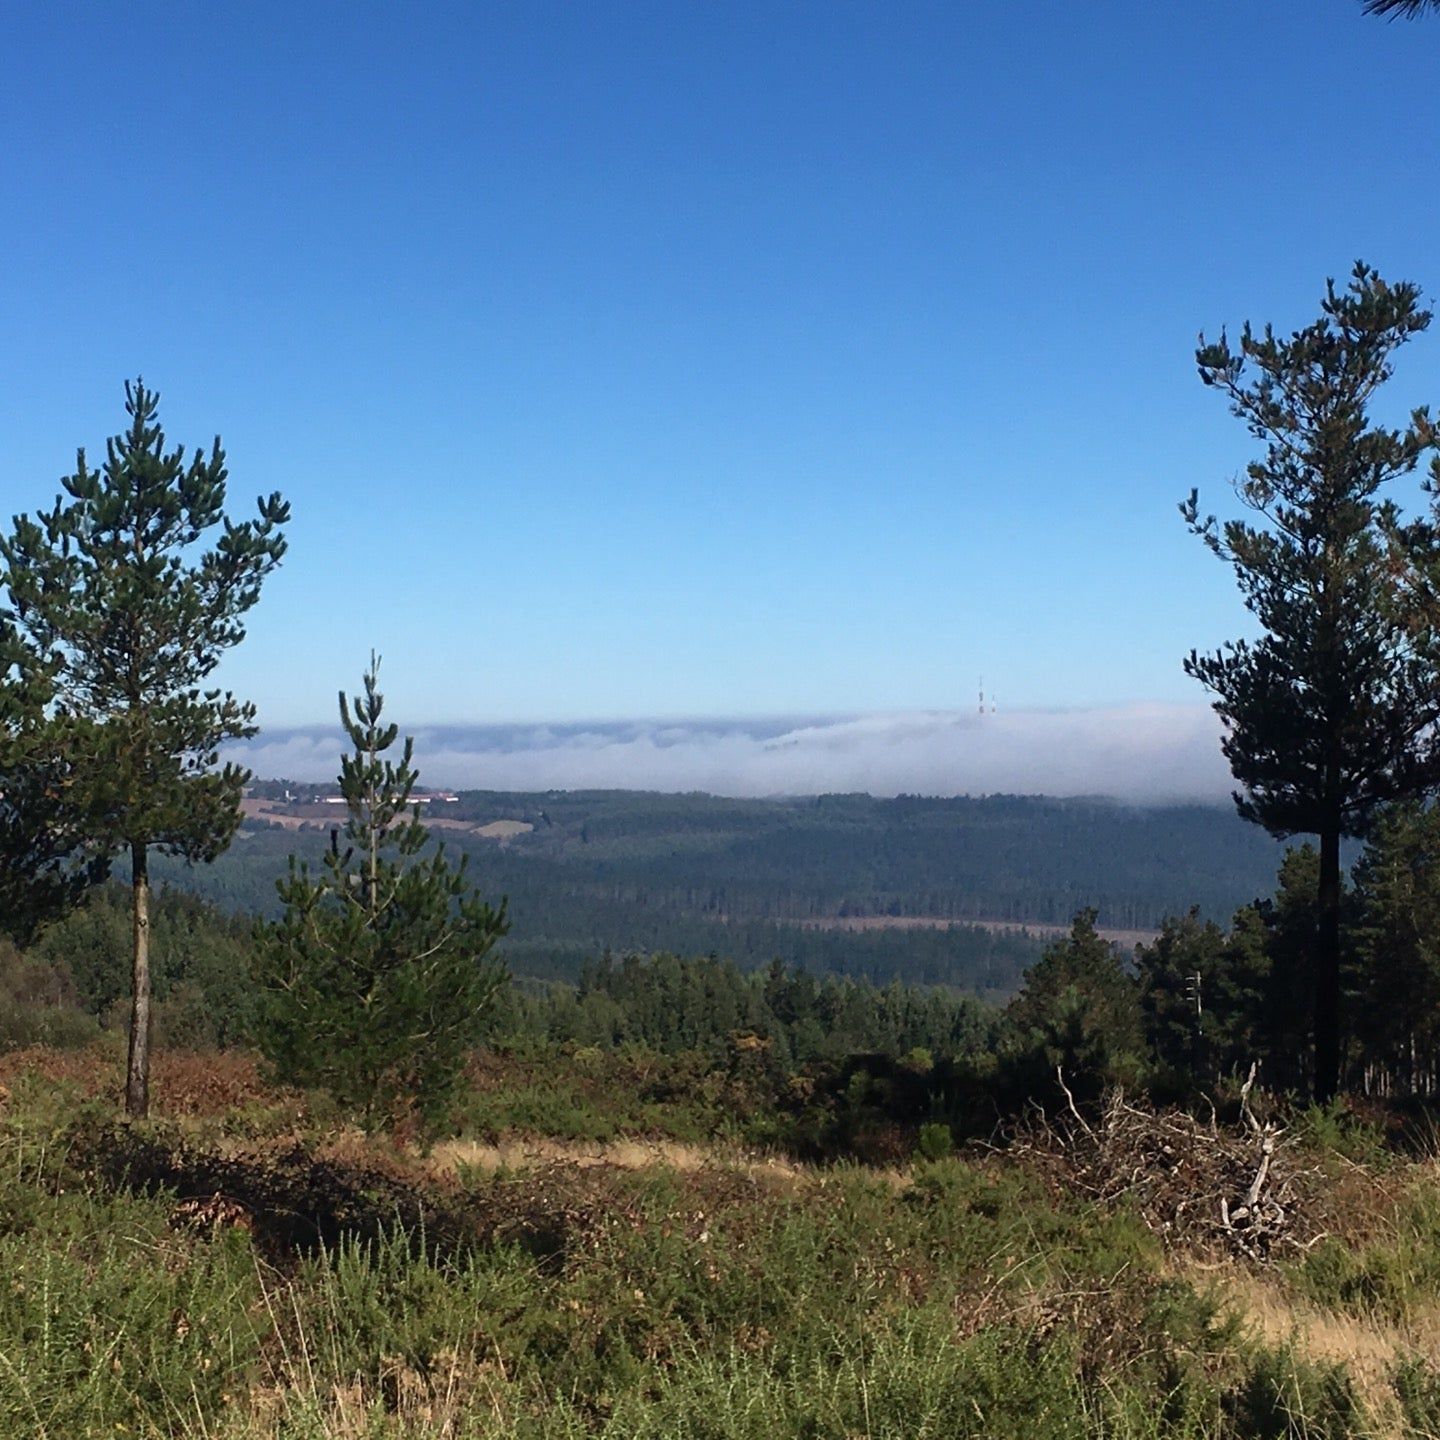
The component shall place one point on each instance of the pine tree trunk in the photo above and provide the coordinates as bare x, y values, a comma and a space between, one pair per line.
1327, 971
137, 1080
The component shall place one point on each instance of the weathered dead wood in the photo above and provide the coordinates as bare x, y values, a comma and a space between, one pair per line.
1240, 1188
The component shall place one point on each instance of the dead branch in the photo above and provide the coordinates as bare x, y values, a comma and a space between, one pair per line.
1238, 1188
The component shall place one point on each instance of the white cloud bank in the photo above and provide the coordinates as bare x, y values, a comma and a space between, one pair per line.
1145, 753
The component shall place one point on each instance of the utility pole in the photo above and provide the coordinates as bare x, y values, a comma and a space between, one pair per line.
1193, 998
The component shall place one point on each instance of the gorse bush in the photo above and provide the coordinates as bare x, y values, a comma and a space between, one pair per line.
1417, 1388
1282, 1397
100, 1339
934, 1142
1394, 1273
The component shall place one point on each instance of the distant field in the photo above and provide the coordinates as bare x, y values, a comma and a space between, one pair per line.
860, 924
320, 816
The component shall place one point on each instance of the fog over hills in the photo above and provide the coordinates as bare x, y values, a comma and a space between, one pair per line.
1139, 753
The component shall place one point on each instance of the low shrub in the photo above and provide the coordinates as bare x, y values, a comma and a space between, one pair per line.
1285, 1397
1394, 1273
182, 1280
934, 1142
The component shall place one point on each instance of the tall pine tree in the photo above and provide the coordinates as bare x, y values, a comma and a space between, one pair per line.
1330, 713
116, 620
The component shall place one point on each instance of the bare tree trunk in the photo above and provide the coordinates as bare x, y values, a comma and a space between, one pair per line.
137, 1079
1327, 971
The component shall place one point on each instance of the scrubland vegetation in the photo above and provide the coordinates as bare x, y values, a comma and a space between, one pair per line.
682, 1199
250, 1266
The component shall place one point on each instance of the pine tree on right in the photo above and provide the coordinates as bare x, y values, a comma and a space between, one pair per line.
1330, 712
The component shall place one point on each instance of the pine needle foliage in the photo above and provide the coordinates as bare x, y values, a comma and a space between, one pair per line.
116, 619
1078, 1010
46, 865
1396, 9
1331, 712
379, 977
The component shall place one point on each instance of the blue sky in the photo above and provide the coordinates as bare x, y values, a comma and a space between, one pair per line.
680, 360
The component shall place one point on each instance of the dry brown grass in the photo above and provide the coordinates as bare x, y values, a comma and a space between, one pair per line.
182, 1082
529, 1152
204, 1085
1370, 1347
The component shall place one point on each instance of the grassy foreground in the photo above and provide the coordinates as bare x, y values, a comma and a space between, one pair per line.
249, 1270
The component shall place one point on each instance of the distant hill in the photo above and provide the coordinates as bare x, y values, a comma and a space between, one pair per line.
752, 879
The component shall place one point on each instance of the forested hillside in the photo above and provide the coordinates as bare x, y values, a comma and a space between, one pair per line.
755, 879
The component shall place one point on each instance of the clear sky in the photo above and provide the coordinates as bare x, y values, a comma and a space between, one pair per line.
675, 359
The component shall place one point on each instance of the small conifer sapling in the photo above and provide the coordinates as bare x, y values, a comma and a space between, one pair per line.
380, 975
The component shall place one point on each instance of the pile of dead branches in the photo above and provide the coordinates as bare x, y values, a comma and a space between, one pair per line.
1240, 1188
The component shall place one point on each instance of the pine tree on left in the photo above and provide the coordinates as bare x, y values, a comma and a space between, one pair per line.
113, 622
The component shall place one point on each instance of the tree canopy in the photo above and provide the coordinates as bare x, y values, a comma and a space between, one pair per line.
1408, 9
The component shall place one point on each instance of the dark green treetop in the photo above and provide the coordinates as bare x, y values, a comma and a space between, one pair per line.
1331, 711
1178, 974
1078, 1010
379, 975
117, 623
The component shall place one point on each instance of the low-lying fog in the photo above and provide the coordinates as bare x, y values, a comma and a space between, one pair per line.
1138, 753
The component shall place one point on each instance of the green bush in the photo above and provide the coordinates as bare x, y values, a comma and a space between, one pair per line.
1283, 1397
1393, 1275
1417, 1388
111, 1323
934, 1142
1337, 1129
